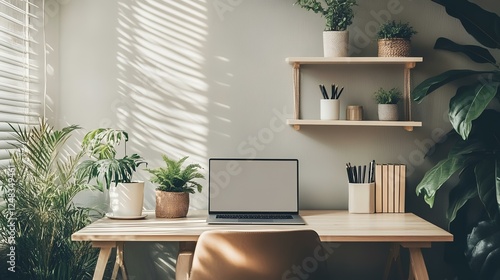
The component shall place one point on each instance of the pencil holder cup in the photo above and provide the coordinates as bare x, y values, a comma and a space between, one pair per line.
330, 109
361, 198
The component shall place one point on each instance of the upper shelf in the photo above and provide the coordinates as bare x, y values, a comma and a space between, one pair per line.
353, 60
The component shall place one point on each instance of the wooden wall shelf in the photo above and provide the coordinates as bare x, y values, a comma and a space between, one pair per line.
408, 62
407, 125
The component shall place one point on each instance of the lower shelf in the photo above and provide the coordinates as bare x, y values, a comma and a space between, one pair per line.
407, 125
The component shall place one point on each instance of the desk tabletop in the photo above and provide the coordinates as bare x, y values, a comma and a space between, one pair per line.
331, 226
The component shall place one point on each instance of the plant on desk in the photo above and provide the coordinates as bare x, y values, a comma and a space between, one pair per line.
387, 101
174, 186
39, 215
474, 202
100, 145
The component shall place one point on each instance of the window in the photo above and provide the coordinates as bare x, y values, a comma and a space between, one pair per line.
20, 68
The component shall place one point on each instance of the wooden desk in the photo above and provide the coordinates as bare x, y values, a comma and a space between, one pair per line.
405, 229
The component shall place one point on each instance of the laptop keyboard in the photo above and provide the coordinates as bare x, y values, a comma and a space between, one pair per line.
254, 216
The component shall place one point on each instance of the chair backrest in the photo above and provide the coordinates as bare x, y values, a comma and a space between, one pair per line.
262, 255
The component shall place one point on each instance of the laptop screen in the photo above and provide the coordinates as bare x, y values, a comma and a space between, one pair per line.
253, 185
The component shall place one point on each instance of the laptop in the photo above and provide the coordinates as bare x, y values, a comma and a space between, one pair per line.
253, 191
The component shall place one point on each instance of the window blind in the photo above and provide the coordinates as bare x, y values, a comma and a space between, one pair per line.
20, 68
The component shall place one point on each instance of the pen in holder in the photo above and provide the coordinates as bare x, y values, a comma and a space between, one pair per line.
330, 106
361, 198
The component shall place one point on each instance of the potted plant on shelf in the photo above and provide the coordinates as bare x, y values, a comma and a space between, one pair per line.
338, 15
127, 196
388, 103
174, 186
394, 39
472, 165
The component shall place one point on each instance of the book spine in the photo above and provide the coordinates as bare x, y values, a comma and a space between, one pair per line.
391, 191
385, 188
402, 188
378, 188
397, 187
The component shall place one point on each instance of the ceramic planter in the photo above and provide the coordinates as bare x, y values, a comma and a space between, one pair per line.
335, 43
126, 199
388, 112
171, 204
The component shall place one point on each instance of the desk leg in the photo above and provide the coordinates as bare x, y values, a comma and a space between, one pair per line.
119, 262
418, 271
393, 258
103, 258
184, 260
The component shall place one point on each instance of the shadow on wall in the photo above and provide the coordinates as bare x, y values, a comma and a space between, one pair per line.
162, 98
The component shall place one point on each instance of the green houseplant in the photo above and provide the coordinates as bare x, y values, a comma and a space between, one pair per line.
474, 156
175, 183
387, 101
39, 215
394, 39
104, 166
338, 15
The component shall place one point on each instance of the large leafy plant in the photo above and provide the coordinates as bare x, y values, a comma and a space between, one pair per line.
474, 203
103, 165
338, 13
39, 215
174, 178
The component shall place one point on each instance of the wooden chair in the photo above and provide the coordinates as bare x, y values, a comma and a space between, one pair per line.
262, 255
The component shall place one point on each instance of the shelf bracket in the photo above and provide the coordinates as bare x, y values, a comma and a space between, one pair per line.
407, 89
296, 92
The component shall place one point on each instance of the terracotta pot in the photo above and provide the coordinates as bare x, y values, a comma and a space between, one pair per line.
171, 204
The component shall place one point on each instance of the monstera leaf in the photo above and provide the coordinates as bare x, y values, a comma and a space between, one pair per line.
483, 25
476, 53
483, 250
469, 103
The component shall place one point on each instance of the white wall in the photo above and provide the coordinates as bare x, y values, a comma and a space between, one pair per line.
208, 78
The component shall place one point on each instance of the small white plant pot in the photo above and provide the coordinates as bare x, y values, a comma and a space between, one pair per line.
335, 43
329, 109
126, 199
388, 112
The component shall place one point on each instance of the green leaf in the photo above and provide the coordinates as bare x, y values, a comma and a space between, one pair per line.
497, 182
483, 250
464, 191
468, 104
483, 25
438, 175
433, 83
486, 187
476, 53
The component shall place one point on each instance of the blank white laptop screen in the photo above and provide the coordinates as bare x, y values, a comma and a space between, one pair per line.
257, 185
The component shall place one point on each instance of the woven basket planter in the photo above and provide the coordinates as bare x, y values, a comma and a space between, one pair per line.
171, 204
394, 47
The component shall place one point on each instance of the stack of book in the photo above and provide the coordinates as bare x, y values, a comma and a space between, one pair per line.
390, 188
